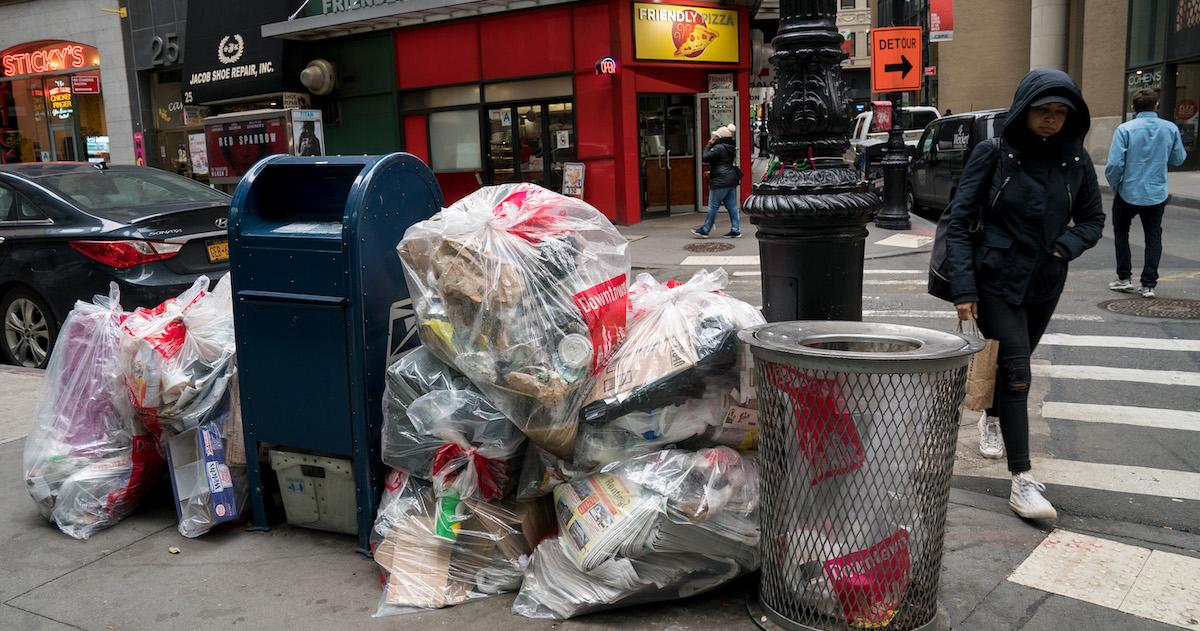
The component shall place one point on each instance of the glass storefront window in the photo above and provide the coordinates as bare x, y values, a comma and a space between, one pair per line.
532, 150
1146, 78
1186, 111
51, 106
530, 142
454, 140
1146, 21
500, 146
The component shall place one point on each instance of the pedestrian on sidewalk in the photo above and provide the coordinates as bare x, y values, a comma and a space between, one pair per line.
1009, 238
723, 179
1137, 173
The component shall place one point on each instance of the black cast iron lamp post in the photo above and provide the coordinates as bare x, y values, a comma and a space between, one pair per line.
894, 215
811, 208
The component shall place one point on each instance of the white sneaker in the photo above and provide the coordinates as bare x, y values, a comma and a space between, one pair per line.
1146, 292
1027, 500
1123, 285
991, 443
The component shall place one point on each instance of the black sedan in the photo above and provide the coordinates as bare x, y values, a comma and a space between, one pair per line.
68, 229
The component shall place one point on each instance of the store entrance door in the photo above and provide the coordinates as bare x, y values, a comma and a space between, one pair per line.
668, 154
716, 110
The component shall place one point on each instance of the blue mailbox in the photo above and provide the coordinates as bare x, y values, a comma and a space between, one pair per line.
321, 307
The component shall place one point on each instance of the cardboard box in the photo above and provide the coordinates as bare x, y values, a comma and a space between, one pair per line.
418, 566
516, 525
235, 442
200, 476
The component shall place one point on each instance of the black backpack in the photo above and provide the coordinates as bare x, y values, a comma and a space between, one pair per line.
939, 260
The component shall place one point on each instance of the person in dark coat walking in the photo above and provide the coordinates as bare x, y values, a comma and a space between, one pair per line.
723, 179
1027, 204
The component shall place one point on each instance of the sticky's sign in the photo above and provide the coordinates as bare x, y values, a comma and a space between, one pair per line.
668, 32
896, 61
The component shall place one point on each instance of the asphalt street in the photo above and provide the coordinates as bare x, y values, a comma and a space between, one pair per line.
1121, 445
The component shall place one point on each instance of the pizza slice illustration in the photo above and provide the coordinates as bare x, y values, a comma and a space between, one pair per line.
691, 35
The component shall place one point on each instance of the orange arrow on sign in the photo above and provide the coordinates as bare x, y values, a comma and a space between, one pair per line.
895, 52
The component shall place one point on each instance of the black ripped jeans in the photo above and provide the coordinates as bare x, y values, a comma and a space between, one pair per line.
1018, 329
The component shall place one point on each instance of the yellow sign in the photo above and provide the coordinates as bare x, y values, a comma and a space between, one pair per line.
669, 32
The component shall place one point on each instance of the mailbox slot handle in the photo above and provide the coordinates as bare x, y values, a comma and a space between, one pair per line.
276, 296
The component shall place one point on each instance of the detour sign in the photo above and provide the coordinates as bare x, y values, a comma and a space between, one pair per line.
896, 63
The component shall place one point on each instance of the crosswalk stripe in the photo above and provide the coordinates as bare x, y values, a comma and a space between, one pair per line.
881, 272
949, 313
1123, 415
1103, 477
1106, 373
914, 283
1105, 341
706, 261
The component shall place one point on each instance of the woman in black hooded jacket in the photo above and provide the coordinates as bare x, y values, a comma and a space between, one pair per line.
1027, 204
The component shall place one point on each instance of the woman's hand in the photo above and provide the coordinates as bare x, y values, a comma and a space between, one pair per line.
967, 310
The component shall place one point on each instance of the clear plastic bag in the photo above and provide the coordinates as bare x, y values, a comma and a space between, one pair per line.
676, 377
88, 462
703, 502
524, 291
438, 427
668, 525
553, 588
179, 357
439, 551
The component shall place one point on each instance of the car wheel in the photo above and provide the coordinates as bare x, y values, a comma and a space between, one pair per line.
28, 330
910, 201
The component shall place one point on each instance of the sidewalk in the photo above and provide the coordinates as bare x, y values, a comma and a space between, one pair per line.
292, 579
668, 242
1184, 187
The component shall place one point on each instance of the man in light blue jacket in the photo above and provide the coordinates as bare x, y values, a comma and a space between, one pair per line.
1137, 173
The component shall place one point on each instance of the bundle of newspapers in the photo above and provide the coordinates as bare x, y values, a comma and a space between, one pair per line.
669, 524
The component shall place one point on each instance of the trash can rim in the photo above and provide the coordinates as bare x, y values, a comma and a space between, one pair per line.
873, 341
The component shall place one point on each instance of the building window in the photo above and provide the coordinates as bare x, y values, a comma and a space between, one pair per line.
1146, 21
530, 142
454, 141
849, 4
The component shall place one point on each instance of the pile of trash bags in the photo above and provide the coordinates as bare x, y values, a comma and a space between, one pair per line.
128, 396
561, 433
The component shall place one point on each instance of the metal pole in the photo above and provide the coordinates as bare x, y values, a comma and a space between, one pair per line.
763, 137
811, 208
894, 215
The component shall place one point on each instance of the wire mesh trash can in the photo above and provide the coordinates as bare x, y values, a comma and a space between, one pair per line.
857, 428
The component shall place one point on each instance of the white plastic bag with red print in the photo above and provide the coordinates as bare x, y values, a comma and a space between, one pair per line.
88, 462
524, 291
179, 357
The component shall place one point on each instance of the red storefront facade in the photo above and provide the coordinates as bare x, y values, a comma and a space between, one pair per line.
530, 81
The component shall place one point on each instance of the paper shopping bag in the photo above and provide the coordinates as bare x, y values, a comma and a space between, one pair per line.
981, 374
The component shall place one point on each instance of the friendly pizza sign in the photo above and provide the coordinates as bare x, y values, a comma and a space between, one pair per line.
668, 32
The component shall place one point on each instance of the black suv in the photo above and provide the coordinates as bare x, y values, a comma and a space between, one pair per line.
942, 153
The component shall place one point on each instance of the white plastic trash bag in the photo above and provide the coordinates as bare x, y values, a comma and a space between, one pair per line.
88, 461
524, 291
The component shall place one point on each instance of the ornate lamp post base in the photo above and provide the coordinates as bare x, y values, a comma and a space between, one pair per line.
894, 215
811, 209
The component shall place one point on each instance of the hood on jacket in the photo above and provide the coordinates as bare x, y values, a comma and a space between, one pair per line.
1046, 82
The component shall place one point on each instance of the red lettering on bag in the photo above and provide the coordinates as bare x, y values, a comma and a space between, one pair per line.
604, 310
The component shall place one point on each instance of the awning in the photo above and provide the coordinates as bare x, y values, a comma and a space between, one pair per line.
401, 13
393, 15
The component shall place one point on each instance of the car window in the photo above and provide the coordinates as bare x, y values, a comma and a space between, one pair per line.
927, 140
28, 211
8, 204
996, 127
915, 120
103, 190
954, 135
